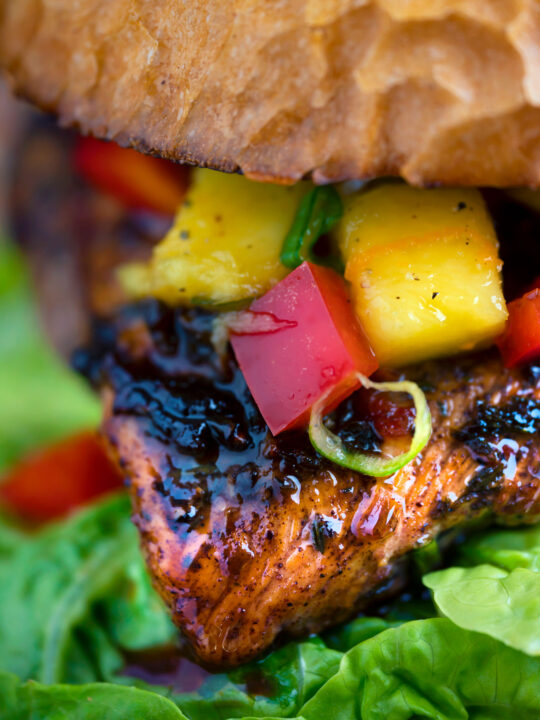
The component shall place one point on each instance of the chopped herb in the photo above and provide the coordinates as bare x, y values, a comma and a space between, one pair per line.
317, 213
319, 539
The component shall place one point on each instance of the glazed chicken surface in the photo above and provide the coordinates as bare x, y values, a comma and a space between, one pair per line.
247, 535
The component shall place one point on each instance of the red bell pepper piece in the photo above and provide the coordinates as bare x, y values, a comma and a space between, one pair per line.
51, 482
138, 181
520, 341
316, 344
390, 418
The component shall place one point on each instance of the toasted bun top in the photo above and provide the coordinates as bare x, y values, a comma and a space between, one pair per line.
437, 91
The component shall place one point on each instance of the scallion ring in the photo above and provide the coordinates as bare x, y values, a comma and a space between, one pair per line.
332, 447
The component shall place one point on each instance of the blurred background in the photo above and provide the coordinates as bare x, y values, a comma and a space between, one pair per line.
13, 115
61, 239
41, 400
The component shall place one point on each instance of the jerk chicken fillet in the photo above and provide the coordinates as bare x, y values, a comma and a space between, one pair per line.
248, 536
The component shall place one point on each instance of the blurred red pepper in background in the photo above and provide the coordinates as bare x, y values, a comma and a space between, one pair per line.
520, 342
137, 181
50, 483
317, 344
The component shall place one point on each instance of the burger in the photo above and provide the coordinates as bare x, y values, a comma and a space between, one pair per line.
293, 249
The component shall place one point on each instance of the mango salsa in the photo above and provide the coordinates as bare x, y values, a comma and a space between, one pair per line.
224, 245
424, 270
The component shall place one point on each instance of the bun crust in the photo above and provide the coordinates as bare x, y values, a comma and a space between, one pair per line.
437, 91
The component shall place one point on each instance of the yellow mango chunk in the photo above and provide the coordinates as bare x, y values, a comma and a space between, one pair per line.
424, 271
224, 245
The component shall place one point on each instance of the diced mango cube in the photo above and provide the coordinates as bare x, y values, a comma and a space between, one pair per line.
424, 271
224, 245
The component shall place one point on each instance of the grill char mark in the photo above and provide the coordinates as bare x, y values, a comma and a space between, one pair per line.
248, 535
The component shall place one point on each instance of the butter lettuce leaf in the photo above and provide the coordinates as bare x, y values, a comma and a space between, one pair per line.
345, 637
501, 595
422, 669
287, 678
488, 599
80, 596
97, 701
430, 669
75, 593
508, 549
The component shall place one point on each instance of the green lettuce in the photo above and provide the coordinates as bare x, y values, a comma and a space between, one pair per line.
345, 637
41, 400
502, 598
430, 669
74, 594
426, 668
508, 549
485, 598
292, 674
97, 701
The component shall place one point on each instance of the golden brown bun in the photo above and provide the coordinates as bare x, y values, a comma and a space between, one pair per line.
438, 91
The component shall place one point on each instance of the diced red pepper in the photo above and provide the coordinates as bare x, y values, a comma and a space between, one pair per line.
520, 341
317, 345
50, 483
389, 415
138, 181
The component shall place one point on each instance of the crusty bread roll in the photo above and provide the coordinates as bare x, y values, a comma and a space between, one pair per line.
437, 91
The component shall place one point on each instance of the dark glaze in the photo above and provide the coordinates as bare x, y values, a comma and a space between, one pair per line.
248, 535
199, 406
165, 666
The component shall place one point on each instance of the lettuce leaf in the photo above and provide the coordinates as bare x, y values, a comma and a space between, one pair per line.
485, 598
292, 675
508, 549
54, 586
41, 400
501, 599
96, 701
347, 636
76, 594
430, 669
426, 668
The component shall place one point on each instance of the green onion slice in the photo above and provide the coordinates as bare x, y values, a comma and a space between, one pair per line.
331, 446
317, 213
